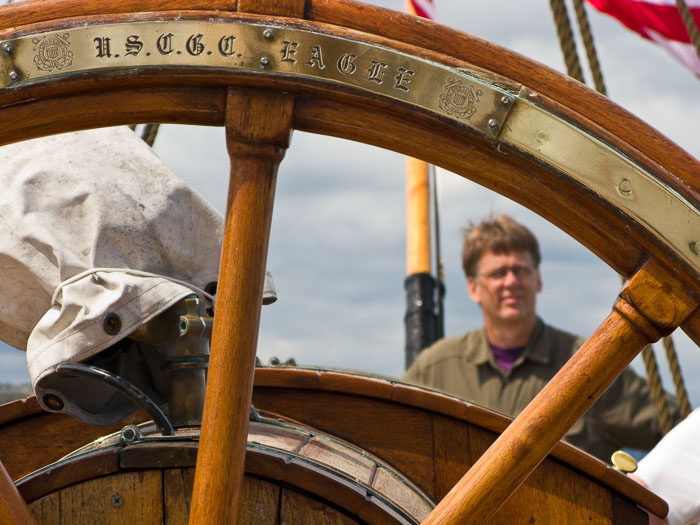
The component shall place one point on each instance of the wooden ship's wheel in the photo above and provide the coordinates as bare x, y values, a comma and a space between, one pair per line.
260, 69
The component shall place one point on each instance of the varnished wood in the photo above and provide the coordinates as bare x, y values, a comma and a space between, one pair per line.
418, 254
297, 508
658, 300
258, 130
304, 395
292, 8
13, 509
691, 326
177, 494
53, 435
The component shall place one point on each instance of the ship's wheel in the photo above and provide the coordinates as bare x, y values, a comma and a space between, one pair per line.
263, 68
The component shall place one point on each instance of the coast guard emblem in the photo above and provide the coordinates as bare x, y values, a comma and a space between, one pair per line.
52, 52
459, 100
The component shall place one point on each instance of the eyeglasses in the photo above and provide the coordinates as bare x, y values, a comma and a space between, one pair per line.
519, 271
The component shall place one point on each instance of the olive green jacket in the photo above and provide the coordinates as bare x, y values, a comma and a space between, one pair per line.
464, 366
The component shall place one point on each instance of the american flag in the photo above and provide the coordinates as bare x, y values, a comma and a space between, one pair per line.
659, 21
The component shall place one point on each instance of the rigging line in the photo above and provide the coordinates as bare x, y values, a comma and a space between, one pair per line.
657, 391
149, 133
589, 45
690, 25
677, 376
566, 39
439, 264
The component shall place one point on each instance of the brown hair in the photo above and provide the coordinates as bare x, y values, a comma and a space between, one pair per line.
499, 235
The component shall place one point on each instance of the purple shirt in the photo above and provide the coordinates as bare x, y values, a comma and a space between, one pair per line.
506, 357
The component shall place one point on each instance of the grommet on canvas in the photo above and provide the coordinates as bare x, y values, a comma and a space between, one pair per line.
53, 402
112, 323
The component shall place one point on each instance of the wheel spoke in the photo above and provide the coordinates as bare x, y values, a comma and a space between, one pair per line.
258, 129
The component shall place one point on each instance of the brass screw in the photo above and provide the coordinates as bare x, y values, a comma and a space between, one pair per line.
625, 187
267, 34
264, 61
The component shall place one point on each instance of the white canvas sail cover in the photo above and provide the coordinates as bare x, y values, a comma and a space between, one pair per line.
94, 199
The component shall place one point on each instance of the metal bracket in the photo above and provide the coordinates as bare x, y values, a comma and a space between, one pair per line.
7, 69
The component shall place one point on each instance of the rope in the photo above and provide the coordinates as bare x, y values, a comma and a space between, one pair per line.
690, 25
149, 133
566, 39
674, 365
657, 391
587, 37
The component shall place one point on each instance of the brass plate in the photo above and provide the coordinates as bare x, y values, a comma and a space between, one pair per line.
250, 47
301, 53
608, 173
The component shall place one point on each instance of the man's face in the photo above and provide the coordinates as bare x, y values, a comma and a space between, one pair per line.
505, 286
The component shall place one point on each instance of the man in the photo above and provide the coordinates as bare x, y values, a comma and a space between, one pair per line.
506, 363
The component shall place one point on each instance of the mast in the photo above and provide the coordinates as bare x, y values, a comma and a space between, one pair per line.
421, 321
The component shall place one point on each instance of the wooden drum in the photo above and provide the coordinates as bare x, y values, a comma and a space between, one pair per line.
294, 475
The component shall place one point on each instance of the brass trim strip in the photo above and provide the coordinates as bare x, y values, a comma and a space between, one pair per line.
301, 53
608, 173
243, 46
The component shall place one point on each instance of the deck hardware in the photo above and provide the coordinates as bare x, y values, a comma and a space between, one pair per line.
625, 187
264, 61
123, 387
623, 462
112, 323
53, 402
493, 123
267, 34
129, 434
117, 500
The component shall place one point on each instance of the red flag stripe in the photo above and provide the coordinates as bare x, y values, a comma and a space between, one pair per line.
424, 8
647, 18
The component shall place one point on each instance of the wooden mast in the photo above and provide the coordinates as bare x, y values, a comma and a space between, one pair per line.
420, 320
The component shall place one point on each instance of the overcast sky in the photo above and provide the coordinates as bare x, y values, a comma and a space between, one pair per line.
337, 248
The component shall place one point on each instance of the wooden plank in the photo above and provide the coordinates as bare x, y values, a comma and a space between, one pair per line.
258, 131
47, 510
260, 502
452, 453
177, 493
130, 497
297, 509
